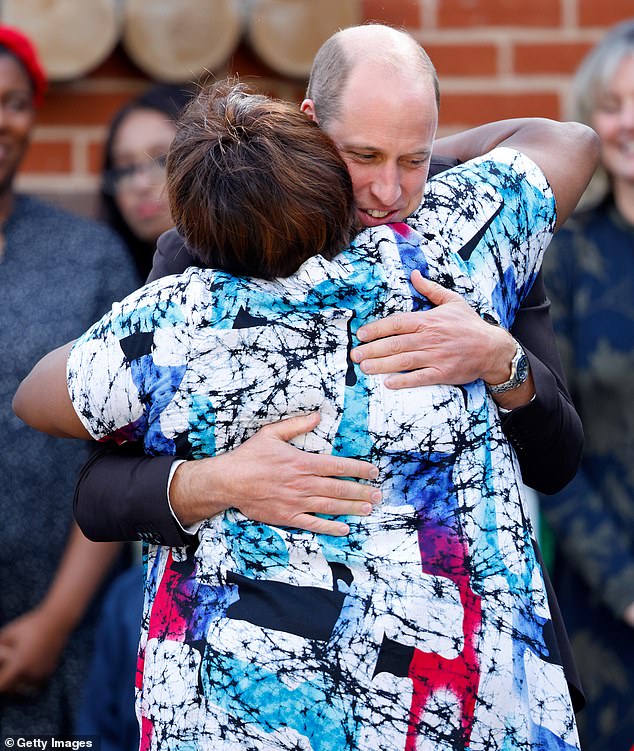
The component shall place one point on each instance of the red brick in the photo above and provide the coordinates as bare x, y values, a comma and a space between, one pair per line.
48, 156
63, 106
117, 65
463, 59
475, 109
245, 62
464, 13
405, 13
95, 157
606, 13
559, 57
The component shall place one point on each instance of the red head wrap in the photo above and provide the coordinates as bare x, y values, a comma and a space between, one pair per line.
22, 47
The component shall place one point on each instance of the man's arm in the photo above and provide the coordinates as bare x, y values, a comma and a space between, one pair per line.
265, 478
451, 344
546, 433
540, 421
454, 345
121, 494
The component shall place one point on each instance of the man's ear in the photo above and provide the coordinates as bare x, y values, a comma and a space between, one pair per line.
308, 108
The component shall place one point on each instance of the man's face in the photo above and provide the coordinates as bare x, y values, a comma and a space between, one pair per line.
385, 132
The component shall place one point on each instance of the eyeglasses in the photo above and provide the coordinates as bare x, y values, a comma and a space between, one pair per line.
122, 178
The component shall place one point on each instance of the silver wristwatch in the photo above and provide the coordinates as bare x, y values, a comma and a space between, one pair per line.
519, 373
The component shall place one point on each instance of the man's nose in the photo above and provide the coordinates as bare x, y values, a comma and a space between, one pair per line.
386, 185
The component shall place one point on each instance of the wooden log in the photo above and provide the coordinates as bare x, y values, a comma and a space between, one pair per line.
286, 34
178, 41
72, 37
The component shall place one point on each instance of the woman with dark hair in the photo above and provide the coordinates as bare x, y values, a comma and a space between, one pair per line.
427, 624
133, 193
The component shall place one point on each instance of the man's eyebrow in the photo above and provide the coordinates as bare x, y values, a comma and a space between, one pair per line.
423, 152
356, 147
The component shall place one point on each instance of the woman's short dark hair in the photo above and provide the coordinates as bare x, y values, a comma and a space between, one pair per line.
255, 186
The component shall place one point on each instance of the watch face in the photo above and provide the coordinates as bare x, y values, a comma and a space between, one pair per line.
522, 369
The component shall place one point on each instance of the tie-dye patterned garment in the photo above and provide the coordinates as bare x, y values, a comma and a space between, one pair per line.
427, 627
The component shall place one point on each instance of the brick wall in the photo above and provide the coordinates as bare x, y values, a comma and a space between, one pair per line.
495, 59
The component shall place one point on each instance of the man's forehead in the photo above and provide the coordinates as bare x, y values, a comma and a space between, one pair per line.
373, 77
367, 95
400, 130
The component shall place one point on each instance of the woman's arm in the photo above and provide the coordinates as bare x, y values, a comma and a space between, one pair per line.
552, 145
42, 399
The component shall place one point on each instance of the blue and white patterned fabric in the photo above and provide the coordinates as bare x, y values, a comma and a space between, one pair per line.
427, 627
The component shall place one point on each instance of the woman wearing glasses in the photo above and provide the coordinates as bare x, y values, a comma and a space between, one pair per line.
133, 180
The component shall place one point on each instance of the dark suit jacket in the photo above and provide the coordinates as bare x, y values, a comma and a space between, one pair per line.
122, 495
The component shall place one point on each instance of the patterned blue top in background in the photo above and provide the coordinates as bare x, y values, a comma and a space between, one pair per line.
590, 278
427, 626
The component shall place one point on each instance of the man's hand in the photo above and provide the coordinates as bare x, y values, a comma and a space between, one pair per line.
449, 344
30, 649
270, 481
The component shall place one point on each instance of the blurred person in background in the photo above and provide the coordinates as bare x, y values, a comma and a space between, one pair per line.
590, 279
106, 708
133, 179
58, 272
136, 206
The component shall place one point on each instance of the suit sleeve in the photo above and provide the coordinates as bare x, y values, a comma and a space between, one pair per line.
121, 494
172, 256
546, 434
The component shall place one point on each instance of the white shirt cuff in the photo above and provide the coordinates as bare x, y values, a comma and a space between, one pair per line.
192, 529
504, 411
